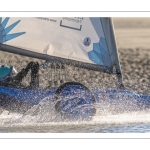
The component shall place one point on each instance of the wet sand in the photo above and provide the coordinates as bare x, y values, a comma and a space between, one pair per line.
133, 40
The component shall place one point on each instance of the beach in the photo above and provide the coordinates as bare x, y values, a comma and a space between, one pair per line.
133, 36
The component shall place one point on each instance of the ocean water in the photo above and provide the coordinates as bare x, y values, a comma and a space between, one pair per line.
43, 118
109, 124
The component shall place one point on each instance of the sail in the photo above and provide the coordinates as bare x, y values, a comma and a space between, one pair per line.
89, 42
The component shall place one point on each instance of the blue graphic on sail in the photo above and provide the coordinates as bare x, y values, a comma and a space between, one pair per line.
4, 36
100, 54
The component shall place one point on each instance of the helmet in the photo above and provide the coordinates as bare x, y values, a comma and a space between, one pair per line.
6, 71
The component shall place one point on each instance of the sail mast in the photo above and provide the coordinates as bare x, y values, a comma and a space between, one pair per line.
118, 67
108, 28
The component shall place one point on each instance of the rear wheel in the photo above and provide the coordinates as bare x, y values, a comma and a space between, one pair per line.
75, 101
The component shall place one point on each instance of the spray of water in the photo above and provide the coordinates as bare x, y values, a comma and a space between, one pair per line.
44, 118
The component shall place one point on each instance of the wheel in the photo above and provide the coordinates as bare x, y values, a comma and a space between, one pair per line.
75, 101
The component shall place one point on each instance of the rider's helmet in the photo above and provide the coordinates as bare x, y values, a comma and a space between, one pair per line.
6, 71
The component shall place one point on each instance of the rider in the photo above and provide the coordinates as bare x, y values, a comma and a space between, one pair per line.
9, 77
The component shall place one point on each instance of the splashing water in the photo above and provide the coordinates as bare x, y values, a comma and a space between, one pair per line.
115, 116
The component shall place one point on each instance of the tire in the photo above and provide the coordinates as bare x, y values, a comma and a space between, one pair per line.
75, 101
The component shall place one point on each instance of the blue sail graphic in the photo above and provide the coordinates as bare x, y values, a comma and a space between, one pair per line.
4, 36
100, 54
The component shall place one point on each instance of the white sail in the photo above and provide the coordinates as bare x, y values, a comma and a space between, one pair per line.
86, 40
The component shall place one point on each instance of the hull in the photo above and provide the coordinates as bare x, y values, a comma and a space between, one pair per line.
26, 95
21, 100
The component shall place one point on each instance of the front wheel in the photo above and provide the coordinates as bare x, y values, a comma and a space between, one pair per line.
75, 101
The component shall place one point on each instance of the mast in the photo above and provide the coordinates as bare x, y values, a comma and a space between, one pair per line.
108, 28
